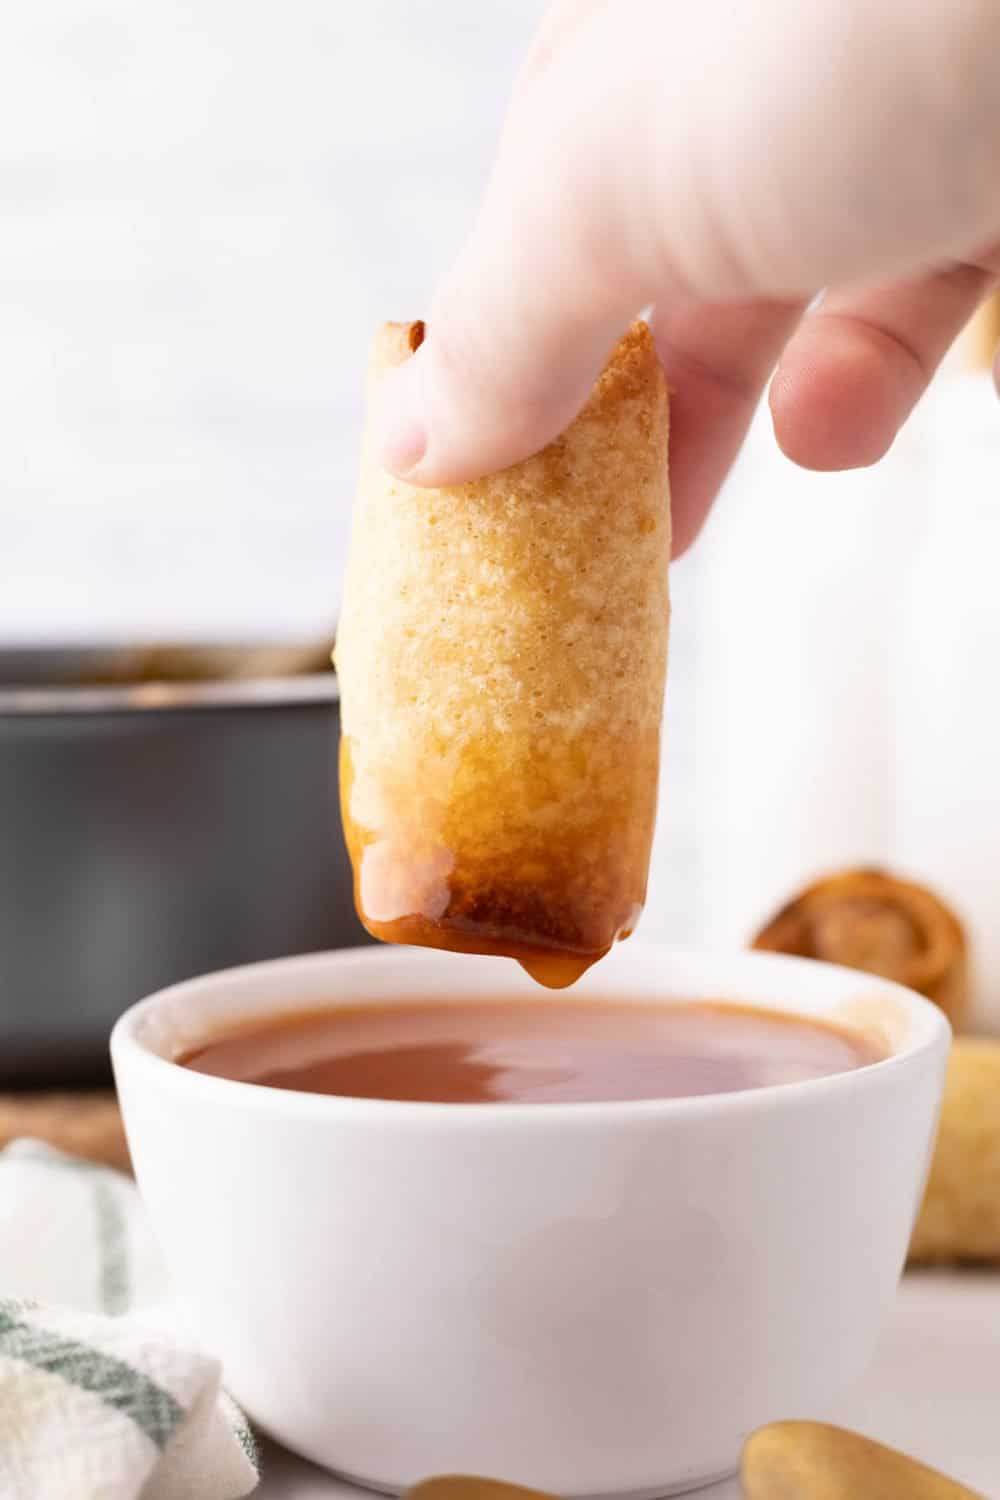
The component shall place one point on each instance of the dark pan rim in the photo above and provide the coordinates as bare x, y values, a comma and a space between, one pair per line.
161, 697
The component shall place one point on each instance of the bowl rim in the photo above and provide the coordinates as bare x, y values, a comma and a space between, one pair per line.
136, 1061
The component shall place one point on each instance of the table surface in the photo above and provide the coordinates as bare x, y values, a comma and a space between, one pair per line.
933, 1390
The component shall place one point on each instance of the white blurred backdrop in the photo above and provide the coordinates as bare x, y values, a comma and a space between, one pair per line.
205, 208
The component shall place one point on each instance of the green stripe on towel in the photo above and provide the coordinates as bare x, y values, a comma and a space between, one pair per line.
248, 1443
238, 1424
112, 1240
119, 1385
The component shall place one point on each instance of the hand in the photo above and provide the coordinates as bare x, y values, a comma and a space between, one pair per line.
720, 162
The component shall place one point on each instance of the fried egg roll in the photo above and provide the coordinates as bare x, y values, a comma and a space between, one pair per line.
502, 656
960, 1217
876, 921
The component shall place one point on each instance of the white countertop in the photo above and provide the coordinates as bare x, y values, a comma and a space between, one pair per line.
933, 1390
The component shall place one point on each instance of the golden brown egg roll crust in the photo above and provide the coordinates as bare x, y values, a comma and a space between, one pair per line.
502, 653
876, 921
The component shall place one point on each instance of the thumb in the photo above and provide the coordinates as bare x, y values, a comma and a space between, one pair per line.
476, 398
521, 328
512, 347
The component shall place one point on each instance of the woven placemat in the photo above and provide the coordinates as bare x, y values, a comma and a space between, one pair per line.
87, 1124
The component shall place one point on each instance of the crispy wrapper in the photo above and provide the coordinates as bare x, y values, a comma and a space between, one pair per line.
502, 654
960, 1217
981, 335
872, 920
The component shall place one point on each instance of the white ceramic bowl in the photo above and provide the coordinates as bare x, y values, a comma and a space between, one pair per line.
598, 1299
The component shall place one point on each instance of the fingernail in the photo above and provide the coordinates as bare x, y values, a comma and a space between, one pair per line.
400, 427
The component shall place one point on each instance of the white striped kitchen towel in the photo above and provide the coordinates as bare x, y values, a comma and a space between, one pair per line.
98, 1399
